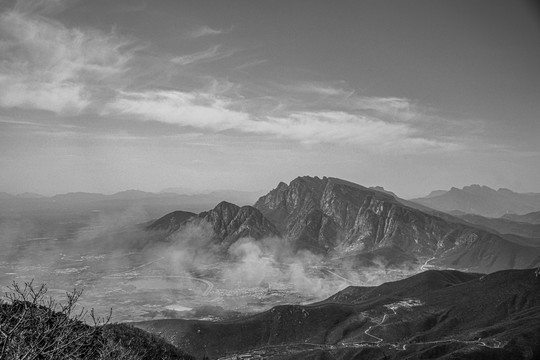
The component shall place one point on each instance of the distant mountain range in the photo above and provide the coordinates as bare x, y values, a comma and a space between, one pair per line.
155, 204
432, 315
531, 218
340, 219
516, 231
481, 200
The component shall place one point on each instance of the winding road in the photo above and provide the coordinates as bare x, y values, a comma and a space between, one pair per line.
493, 343
423, 267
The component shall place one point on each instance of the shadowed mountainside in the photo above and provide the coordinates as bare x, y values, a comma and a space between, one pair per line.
433, 314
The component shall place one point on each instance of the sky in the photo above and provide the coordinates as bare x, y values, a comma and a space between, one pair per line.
418, 95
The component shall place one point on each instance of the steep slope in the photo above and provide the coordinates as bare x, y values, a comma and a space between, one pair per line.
229, 223
482, 200
436, 314
334, 216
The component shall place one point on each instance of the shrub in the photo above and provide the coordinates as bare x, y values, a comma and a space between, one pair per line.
34, 326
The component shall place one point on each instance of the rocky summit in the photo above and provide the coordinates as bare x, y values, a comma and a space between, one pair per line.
337, 217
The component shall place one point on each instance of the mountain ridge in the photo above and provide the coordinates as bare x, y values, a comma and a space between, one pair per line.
332, 215
228, 221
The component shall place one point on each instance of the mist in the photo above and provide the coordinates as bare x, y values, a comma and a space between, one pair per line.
118, 263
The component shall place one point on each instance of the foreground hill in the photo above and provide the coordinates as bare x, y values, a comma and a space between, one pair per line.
482, 200
333, 216
435, 314
34, 326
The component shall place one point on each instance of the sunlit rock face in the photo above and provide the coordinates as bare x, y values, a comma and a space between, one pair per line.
231, 222
226, 224
329, 215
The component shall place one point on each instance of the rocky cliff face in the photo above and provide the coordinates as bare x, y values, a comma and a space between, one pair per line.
229, 223
330, 215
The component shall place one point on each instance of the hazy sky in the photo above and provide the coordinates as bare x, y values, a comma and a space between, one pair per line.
103, 96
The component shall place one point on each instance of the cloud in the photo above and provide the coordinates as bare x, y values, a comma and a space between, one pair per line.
48, 66
210, 54
319, 88
45, 65
198, 110
389, 108
392, 108
205, 31
215, 113
250, 64
345, 128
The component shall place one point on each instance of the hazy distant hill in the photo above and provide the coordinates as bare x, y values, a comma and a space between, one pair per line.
29, 195
532, 218
5, 195
432, 315
505, 226
83, 203
337, 217
482, 200
233, 196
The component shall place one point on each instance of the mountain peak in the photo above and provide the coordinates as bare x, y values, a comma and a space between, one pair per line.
333, 215
226, 206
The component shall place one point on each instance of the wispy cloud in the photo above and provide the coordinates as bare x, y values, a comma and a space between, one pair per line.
319, 88
250, 64
48, 66
390, 108
45, 65
210, 112
210, 54
344, 128
198, 110
206, 31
